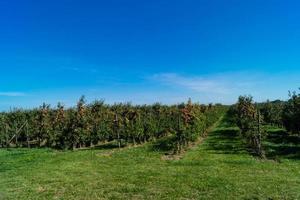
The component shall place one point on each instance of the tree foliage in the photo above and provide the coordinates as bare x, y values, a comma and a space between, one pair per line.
272, 112
87, 125
249, 120
291, 113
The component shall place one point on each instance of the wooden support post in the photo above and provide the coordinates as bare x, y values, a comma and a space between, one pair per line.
27, 135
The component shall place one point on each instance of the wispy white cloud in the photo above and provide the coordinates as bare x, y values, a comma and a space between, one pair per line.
222, 87
12, 94
198, 84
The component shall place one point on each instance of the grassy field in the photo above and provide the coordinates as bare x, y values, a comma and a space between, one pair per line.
219, 168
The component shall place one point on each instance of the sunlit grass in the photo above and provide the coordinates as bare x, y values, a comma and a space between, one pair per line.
220, 168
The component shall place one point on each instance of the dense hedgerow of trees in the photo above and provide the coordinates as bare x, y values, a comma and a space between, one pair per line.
252, 117
87, 125
272, 112
291, 114
249, 120
283, 113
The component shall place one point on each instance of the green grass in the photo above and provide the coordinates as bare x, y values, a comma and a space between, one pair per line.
220, 168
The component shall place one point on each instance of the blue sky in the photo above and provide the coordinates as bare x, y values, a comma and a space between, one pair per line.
147, 51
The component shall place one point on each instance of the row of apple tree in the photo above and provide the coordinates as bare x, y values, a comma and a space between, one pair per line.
252, 118
87, 125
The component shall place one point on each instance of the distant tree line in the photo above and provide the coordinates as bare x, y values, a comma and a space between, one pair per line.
87, 125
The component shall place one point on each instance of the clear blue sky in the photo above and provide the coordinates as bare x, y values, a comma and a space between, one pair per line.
147, 51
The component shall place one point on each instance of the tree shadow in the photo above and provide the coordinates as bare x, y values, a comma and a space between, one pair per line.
225, 141
226, 138
109, 146
163, 145
282, 137
281, 144
105, 146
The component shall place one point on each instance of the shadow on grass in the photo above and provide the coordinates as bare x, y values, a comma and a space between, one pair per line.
280, 144
225, 138
282, 137
225, 141
105, 146
108, 146
163, 145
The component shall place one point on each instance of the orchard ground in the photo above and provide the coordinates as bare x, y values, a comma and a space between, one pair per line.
221, 167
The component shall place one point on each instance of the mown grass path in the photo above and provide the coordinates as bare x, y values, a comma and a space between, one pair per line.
219, 168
